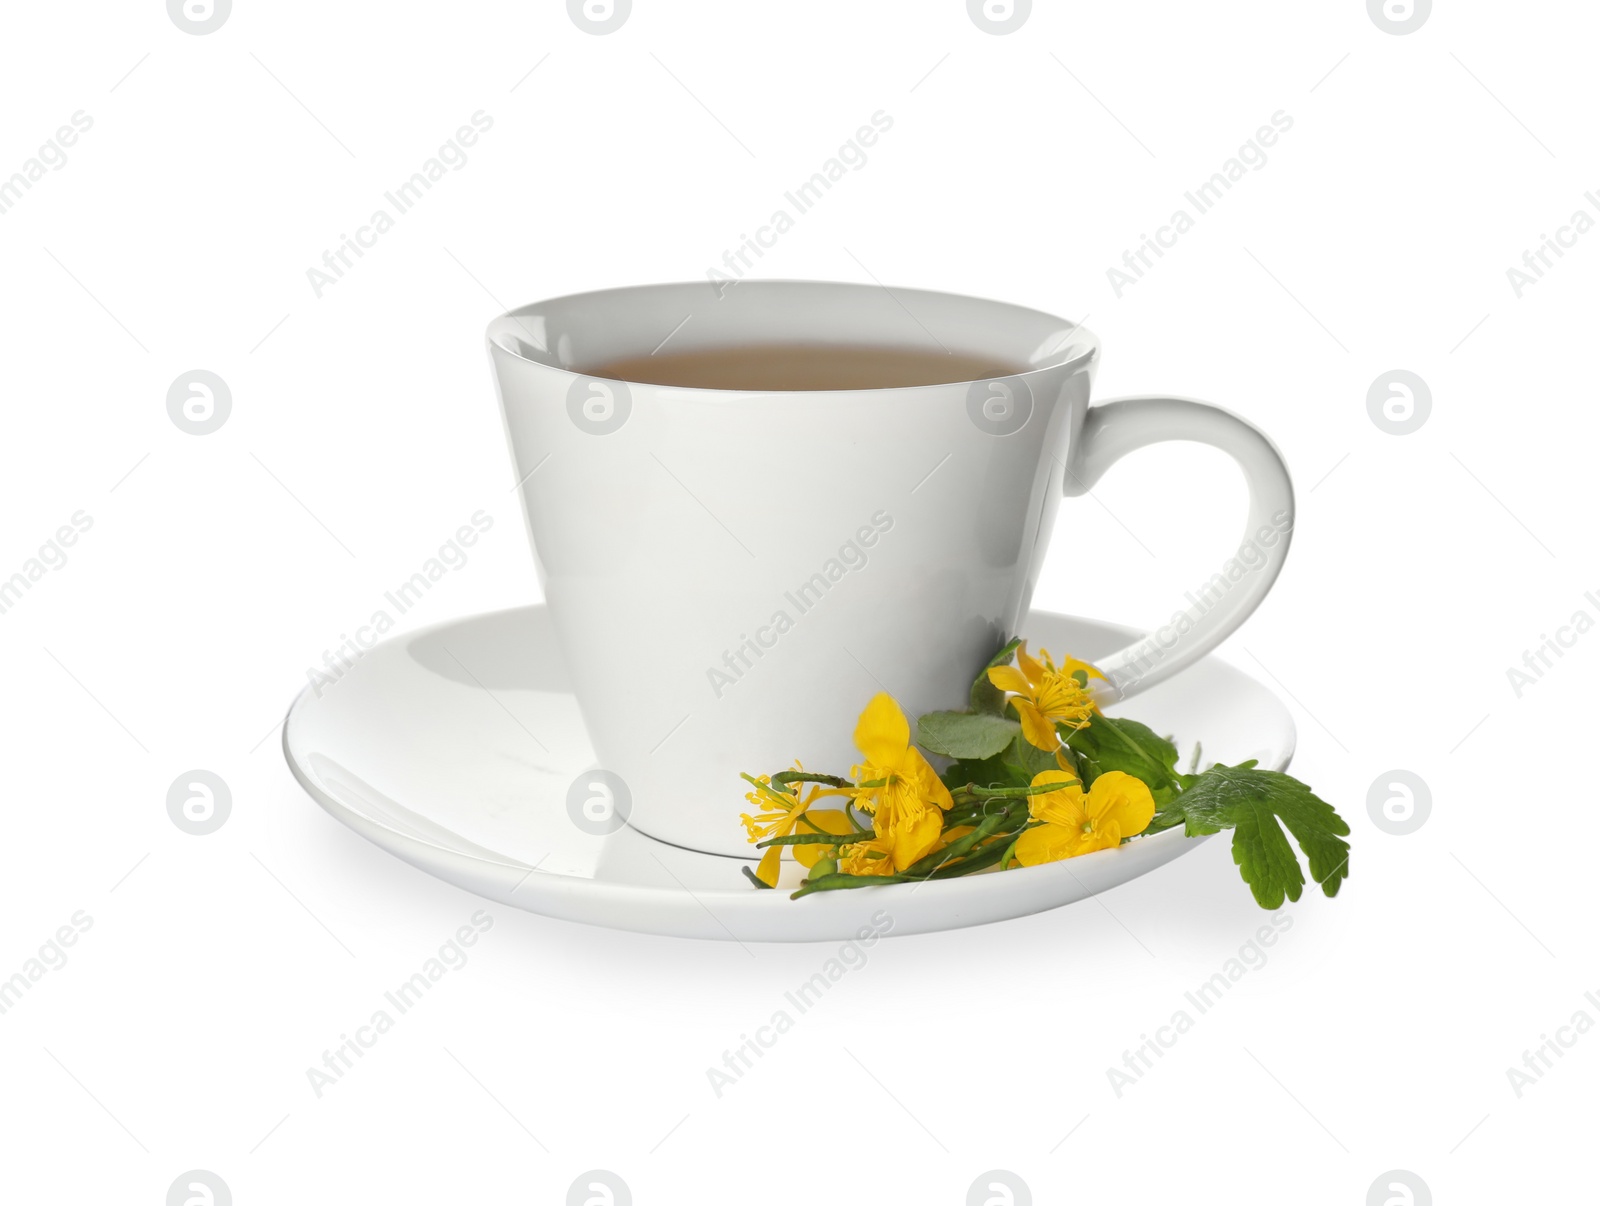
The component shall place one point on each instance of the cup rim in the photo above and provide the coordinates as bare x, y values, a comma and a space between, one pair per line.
1077, 347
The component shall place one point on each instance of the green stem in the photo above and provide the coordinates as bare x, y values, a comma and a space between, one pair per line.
965, 814
985, 856
929, 863
973, 792
808, 839
784, 798
829, 883
989, 854
784, 778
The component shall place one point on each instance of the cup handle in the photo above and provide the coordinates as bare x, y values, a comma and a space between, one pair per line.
1111, 430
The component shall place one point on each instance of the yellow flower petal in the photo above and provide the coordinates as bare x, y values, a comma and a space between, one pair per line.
867, 858
1122, 802
1009, 678
1047, 844
1064, 777
829, 820
1101, 837
918, 770
883, 733
1041, 734
767, 871
1071, 665
1064, 806
915, 837
1032, 669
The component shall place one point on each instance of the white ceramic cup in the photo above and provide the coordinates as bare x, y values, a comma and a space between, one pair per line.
732, 575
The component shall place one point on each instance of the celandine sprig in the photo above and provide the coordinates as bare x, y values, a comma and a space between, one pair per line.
1062, 780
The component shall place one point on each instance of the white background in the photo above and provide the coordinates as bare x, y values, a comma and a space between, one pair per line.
363, 433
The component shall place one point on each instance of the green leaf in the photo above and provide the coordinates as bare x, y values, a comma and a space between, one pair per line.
1109, 744
1014, 766
1030, 758
965, 734
1252, 802
985, 696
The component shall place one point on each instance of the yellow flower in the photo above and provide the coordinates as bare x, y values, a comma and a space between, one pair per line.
1075, 822
780, 813
872, 857
1044, 695
907, 798
891, 850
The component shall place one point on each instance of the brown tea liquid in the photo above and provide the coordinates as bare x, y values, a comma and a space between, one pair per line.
795, 366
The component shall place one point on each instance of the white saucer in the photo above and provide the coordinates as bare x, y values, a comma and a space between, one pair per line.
454, 748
